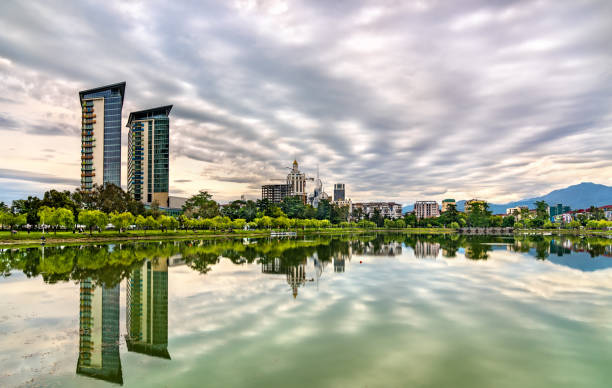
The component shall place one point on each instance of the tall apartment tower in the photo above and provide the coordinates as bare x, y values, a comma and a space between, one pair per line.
148, 155
339, 192
101, 135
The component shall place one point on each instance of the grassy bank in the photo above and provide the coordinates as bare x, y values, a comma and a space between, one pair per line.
62, 237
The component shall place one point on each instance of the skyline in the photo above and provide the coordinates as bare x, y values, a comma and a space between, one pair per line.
508, 102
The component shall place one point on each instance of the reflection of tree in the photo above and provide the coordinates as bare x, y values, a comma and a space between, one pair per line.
476, 249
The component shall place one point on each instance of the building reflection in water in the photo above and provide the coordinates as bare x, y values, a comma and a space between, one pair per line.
426, 250
147, 309
296, 274
99, 333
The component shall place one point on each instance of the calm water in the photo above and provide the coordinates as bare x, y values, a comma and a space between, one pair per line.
349, 311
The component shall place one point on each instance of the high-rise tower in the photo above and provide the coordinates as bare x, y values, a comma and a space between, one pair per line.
297, 182
148, 155
101, 135
339, 192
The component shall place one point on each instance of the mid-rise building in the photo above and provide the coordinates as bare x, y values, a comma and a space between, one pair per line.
99, 332
387, 209
516, 211
297, 182
275, 193
147, 309
446, 203
339, 192
101, 135
148, 155
426, 209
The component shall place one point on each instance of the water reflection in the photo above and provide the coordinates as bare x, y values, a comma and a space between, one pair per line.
99, 332
147, 309
293, 263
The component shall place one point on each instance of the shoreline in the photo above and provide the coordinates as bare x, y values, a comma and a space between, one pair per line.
67, 238
22, 239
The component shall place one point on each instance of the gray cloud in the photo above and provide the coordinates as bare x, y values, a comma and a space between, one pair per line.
19, 175
494, 92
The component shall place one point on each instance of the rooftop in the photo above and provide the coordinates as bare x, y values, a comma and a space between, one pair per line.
147, 113
119, 85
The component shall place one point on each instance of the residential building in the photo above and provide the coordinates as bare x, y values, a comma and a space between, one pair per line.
387, 209
607, 211
346, 202
426, 209
472, 202
101, 135
516, 211
275, 193
99, 333
148, 155
446, 203
297, 182
147, 309
563, 218
339, 192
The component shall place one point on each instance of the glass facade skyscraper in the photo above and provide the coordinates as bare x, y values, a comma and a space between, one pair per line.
148, 155
101, 135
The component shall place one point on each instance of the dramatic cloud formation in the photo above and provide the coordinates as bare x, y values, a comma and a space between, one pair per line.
399, 100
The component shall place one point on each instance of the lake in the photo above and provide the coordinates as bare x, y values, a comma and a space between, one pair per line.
372, 310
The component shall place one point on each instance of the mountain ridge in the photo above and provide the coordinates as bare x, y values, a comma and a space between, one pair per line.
579, 196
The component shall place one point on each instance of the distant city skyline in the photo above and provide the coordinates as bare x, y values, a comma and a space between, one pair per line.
401, 102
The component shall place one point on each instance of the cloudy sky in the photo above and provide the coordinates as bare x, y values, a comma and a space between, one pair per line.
399, 100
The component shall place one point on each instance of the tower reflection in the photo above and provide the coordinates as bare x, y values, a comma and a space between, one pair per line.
99, 332
147, 309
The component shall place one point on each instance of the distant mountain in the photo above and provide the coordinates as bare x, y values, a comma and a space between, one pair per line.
578, 196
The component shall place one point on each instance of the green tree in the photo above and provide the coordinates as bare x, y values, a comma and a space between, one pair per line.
121, 220
293, 207
64, 217
324, 210
140, 222
46, 215
93, 218
542, 210
238, 223
151, 223
201, 205
479, 215
29, 207
508, 222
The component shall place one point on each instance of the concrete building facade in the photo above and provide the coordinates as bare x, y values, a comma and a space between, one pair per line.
296, 180
101, 135
275, 193
426, 209
387, 209
148, 155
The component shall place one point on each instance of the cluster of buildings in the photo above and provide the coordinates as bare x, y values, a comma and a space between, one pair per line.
295, 185
148, 146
